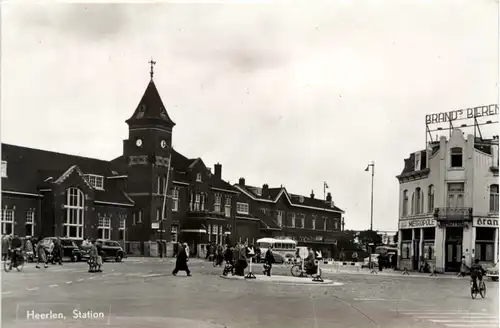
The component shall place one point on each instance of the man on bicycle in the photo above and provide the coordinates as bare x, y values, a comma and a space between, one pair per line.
476, 273
15, 245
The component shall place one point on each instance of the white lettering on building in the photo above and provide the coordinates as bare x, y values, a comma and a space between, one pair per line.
417, 223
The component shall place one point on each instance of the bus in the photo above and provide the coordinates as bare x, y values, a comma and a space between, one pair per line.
283, 247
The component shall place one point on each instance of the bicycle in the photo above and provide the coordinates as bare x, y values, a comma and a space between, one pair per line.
481, 289
19, 264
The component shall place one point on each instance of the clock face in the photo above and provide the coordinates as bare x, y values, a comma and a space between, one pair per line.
163, 144
138, 142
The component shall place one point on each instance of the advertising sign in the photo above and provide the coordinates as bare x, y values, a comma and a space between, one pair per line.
417, 223
155, 225
486, 222
461, 114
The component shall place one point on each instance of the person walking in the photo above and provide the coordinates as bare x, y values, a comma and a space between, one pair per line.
41, 255
58, 251
5, 247
269, 260
463, 268
181, 261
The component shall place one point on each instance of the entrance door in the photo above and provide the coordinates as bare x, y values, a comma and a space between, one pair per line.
416, 254
453, 256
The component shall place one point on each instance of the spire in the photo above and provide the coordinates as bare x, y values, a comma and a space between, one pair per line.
150, 110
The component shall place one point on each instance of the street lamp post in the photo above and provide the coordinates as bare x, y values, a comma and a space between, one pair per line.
372, 165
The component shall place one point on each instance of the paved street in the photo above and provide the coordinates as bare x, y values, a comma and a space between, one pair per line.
143, 293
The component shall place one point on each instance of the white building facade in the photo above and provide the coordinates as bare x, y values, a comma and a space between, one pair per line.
448, 204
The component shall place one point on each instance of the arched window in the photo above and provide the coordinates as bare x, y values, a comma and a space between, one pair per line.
418, 200
74, 213
456, 157
412, 203
494, 198
430, 203
405, 203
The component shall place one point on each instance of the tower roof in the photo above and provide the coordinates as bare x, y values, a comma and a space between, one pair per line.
151, 108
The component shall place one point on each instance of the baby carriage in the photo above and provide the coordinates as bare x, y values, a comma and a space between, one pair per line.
228, 268
266, 267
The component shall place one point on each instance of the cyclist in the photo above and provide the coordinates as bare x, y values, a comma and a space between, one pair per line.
15, 245
476, 273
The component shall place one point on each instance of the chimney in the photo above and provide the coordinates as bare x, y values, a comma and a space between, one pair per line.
265, 190
312, 194
218, 170
329, 197
242, 182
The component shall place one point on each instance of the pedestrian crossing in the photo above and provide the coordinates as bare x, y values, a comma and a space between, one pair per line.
454, 318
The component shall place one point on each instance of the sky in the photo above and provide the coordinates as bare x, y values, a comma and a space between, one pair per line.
283, 94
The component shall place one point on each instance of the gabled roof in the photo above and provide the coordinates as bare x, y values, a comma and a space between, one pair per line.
29, 169
151, 108
277, 193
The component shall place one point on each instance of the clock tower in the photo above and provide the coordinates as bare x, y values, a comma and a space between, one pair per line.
147, 153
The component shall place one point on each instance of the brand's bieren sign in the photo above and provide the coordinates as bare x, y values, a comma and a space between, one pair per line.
486, 222
417, 223
461, 114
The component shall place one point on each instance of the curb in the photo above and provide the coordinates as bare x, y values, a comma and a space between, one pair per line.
299, 282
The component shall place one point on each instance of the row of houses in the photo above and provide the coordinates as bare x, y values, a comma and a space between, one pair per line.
152, 193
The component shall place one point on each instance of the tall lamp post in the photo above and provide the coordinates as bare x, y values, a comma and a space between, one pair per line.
372, 165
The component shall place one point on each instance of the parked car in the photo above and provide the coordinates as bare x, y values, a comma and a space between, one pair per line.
492, 272
366, 262
68, 245
112, 250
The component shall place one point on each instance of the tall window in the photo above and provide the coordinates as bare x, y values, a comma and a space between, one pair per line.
197, 201
29, 225
336, 225
74, 208
121, 230
324, 223
4, 169
217, 203
293, 220
96, 181
175, 200
494, 198
227, 207
279, 218
139, 217
412, 204
134, 219
203, 198
7, 222
242, 208
314, 222
456, 195
456, 157
430, 197
405, 203
158, 214
418, 200
158, 185
104, 228
302, 220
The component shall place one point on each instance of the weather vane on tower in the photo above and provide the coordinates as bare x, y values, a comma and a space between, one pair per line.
151, 72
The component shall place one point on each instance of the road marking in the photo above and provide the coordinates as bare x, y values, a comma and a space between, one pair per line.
31, 289
444, 313
486, 325
53, 286
6, 293
92, 278
62, 270
464, 321
69, 282
80, 279
154, 275
372, 299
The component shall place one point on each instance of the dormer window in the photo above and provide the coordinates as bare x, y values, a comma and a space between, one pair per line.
198, 177
96, 181
456, 157
301, 199
142, 110
4, 169
418, 161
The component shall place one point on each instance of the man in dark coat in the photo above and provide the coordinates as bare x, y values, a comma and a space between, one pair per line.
58, 251
269, 260
181, 262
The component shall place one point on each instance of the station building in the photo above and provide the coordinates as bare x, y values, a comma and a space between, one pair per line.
150, 195
448, 203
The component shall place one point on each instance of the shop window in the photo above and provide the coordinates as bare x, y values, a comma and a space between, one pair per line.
485, 241
405, 250
429, 253
456, 157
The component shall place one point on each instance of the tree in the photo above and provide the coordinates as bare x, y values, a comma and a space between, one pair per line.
370, 237
347, 240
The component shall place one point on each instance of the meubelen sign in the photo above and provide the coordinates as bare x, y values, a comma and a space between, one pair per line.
417, 223
461, 114
486, 222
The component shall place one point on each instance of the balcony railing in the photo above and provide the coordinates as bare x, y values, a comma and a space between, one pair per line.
453, 213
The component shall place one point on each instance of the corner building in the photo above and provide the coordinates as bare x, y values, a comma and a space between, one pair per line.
448, 204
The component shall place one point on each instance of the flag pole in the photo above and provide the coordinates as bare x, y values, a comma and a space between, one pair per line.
324, 191
164, 203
